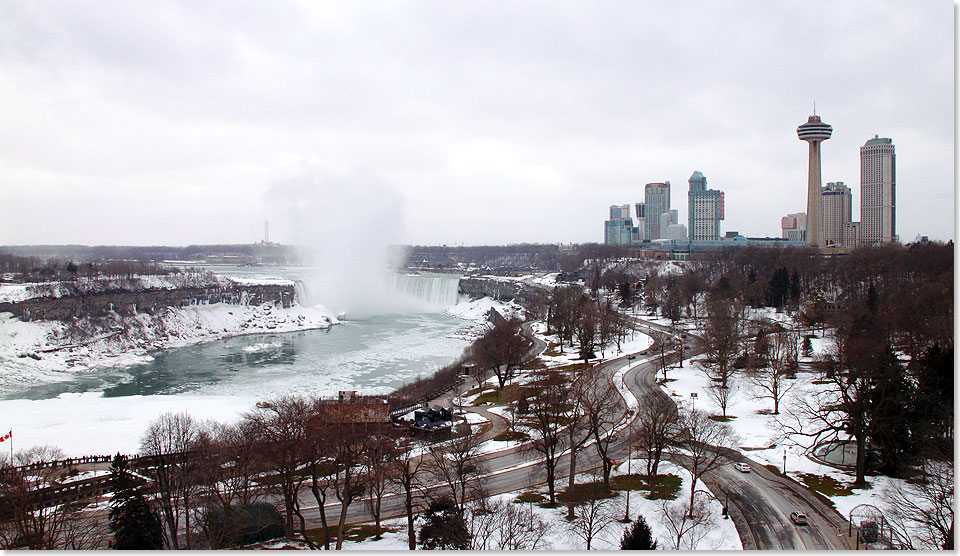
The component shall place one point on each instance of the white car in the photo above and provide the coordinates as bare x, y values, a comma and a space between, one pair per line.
742, 467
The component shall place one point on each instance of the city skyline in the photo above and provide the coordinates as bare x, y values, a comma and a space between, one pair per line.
177, 123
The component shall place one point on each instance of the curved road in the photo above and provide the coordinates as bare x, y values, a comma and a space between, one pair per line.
760, 502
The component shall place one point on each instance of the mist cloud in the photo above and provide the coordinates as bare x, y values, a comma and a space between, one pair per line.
342, 225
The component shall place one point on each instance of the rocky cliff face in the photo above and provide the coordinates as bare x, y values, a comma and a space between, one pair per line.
127, 303
502, 290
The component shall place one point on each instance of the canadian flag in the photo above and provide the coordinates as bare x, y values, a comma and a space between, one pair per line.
7, 436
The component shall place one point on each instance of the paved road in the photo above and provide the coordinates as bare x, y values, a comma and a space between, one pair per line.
760, 501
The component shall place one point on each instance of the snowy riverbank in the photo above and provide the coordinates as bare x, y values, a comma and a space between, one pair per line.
46, 351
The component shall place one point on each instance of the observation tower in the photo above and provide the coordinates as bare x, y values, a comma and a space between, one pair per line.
814, 132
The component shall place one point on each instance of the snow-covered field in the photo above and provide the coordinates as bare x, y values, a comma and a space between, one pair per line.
760, 434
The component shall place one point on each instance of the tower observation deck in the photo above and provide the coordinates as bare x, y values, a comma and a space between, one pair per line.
814, 132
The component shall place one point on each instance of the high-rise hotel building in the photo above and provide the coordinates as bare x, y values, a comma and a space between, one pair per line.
878, 192
835, 211
656, 200
704, 210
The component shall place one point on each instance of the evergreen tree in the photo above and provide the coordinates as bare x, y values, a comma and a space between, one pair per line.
638, 536
795, 287
133, 523
934, 399
891, 399
445, 528
778, 288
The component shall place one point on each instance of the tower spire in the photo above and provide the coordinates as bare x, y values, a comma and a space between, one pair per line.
814, 132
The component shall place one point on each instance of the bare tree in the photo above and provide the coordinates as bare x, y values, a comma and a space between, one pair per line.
502, 349
566, 312
545, 416
924, 510
781, 359
722, 339
688, 523
602, 405
621, 327
723, 395
609, 318
505, 526
348, 443
848, 406
377, 474
578, 430
407, 476
706, 442
586, 332
282, 430
659, 427
171, 441
228, 462
594, 517
456, 465
30, 518
322, 479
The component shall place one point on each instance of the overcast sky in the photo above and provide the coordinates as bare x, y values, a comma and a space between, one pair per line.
479, 123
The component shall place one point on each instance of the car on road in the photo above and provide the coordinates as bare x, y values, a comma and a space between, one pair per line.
631, 356
798, 518
742, 467
644, 352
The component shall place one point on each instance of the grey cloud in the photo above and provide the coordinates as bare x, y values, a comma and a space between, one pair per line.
573, 105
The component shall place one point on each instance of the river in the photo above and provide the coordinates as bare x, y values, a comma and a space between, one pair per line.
106, 410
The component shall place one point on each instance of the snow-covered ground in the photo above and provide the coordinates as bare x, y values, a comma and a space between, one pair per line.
721, 535
760, 434
634, 342
477, 309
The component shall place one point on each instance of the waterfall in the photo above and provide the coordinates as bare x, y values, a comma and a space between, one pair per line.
436, 289
300, 293
383, 294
